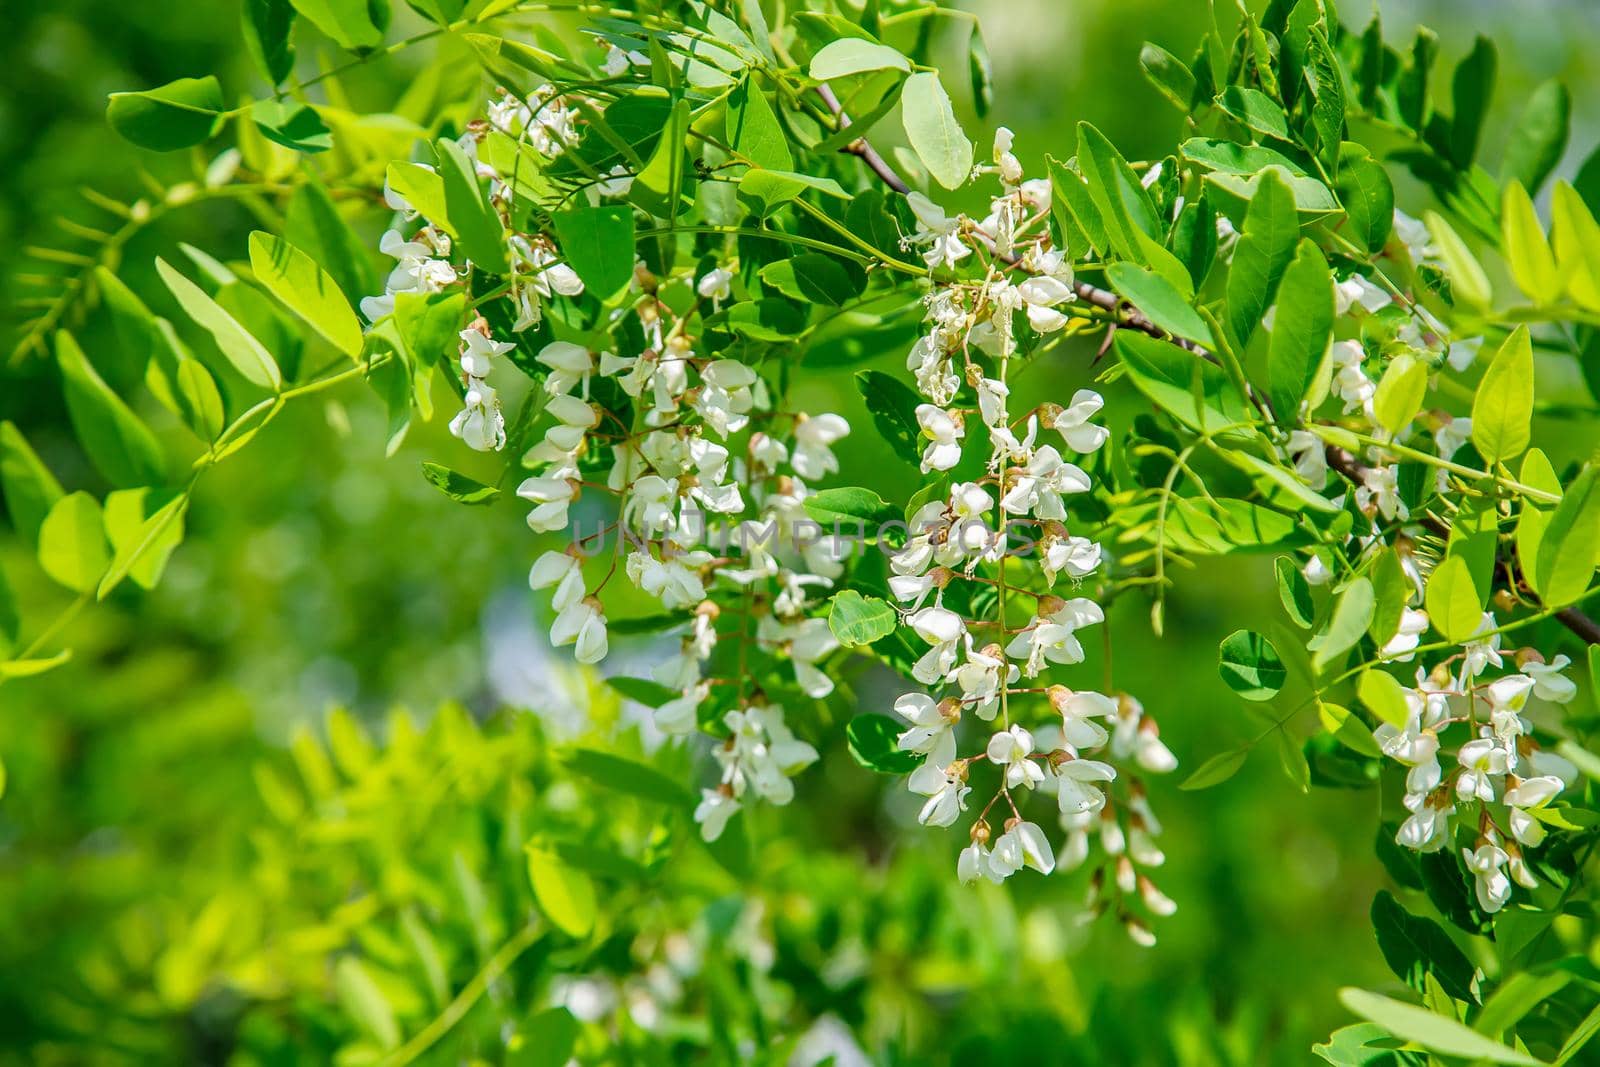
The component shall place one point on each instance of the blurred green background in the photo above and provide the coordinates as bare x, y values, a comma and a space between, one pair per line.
317, 572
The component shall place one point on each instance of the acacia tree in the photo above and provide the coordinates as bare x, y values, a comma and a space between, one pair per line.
627, 245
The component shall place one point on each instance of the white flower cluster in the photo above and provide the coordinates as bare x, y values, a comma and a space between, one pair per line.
701, 445
1499, 774
972, 338
423, 264
760, 756
674, 475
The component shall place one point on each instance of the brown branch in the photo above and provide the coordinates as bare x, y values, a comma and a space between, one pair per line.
861, 146
1354, 471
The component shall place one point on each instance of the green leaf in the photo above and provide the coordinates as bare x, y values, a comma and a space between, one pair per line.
597, 243
363, 1000
1217, 769
1350, 1046
1455, 606
874, 744
894, 411
198, 400
429, 325
1539, 138
1122, 202
932, 129
177, 115
1400, 392
548, 1038
1292, 758
566, 896
121, 446
1581, 1035
1414, 947
27, 668
349, 22
305, 289
1160, 301
765, 191
1352, 611
1532, 517
1250, 666
860, 620
629, 776
1266, 248
422, 188
1326, 83
313, 224
475, 224
1471, 88
458, 487
1301, 330
659, 187
72, 542
1294, 591
1515, 997
293, 125
849, 506
1433, 1032
1576, 237
812, 277
853, 55
642, 690
30, 489
10, 619
1571, 543
1194, 391
143, 539
753, 128
1347, 729
1391, 591
241, 349
135, 327
266, 25
1527, 251
1367, 196
1502, 408
1256, 110
1074, 208
1384, 697
1168, 74
1468, 282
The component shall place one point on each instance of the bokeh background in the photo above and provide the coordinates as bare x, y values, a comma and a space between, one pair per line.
318, 572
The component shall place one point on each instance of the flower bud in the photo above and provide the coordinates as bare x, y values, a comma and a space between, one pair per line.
1049, 605
1138, 932
979, 834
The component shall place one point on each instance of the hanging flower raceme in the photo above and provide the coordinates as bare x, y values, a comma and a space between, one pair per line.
1043, 739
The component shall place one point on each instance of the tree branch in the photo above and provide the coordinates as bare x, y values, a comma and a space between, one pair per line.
1354, 471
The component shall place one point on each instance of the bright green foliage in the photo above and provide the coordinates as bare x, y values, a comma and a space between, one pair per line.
613, 235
